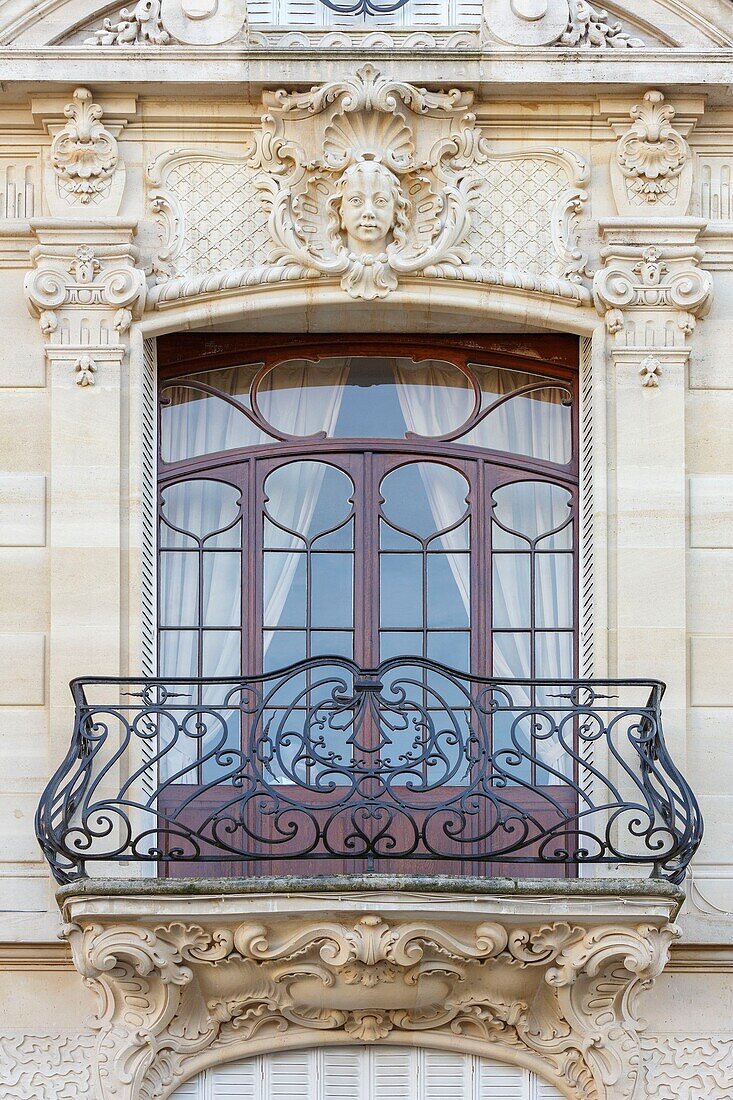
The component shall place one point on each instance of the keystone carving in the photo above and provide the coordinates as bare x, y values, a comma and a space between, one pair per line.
175, 997
652, 164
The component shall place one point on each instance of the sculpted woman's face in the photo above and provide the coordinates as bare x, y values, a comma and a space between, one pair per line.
367, 207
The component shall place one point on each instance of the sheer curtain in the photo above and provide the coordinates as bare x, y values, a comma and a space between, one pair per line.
302, 409
432, 405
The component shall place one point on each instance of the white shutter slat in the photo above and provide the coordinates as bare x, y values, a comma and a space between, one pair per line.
290, 1076
393, 1073
234, 1081
444, 1075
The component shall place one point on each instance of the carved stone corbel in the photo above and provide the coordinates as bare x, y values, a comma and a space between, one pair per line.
558, 997
85, 295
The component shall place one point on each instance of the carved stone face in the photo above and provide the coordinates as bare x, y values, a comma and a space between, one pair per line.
368, 207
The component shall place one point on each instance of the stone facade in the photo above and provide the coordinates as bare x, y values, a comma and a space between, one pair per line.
551, 167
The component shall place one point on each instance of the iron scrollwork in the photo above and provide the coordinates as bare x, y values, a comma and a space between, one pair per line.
372, 768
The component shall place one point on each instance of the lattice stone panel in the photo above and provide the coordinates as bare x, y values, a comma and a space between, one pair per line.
224, 223
513, 217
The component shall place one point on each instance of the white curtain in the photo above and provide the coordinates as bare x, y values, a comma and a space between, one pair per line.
302, 409
535, 424
432, 405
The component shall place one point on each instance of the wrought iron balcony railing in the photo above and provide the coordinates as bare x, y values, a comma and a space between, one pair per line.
326, 767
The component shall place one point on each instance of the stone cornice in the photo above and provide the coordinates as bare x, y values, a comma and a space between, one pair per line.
251, 69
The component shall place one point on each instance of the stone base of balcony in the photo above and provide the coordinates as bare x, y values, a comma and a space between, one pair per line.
544, 973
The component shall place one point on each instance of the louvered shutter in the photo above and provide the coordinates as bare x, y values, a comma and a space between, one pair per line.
367, 1073
308, 14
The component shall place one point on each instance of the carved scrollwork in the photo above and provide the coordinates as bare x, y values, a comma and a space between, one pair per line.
653, 281
85, 168
140, 26
368, 181
652, 164
574, 1010
84, 155
591, 28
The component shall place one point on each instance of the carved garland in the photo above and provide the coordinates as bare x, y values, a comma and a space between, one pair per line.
578, 1021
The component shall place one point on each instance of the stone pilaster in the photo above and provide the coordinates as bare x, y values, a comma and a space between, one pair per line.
652, 290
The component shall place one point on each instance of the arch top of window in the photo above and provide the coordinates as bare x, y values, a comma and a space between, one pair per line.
367, 397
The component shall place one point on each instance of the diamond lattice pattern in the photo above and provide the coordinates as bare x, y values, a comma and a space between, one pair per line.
225, 225
512, 223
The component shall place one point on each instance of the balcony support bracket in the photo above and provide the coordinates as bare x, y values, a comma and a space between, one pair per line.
256, 973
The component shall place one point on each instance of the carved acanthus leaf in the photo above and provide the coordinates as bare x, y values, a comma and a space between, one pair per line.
84, 155
141, 26
592, 28
652, 154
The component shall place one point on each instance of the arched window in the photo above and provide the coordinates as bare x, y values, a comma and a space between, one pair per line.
367, 498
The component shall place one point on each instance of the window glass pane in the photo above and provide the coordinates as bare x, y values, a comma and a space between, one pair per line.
554, 590
222, 595
448, 590
306, 498
339, 643
511, 593
332, 592
401, 590
554, 654
283, 647
511, 658
399, 643
284, 589
389, 539
206, 509
531, 508
194, 422
426, 497
450, 648
221, 653
365, 397
537, 423
179, 588
178, 654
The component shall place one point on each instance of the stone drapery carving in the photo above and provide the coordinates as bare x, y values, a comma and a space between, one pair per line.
696, 1067
85, 172
39, 1064
652, 293
652, 164
559, 996
139, 26
86, 295
575, 23
368, 181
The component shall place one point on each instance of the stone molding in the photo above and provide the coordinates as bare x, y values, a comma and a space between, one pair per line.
85, 290
452, 209
176, 995
651, 290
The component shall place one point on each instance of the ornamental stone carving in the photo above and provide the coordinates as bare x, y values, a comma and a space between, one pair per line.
368, 181
652, 165
176, 996
85, 295
652, 291
139, 26
85, 173
574, 23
